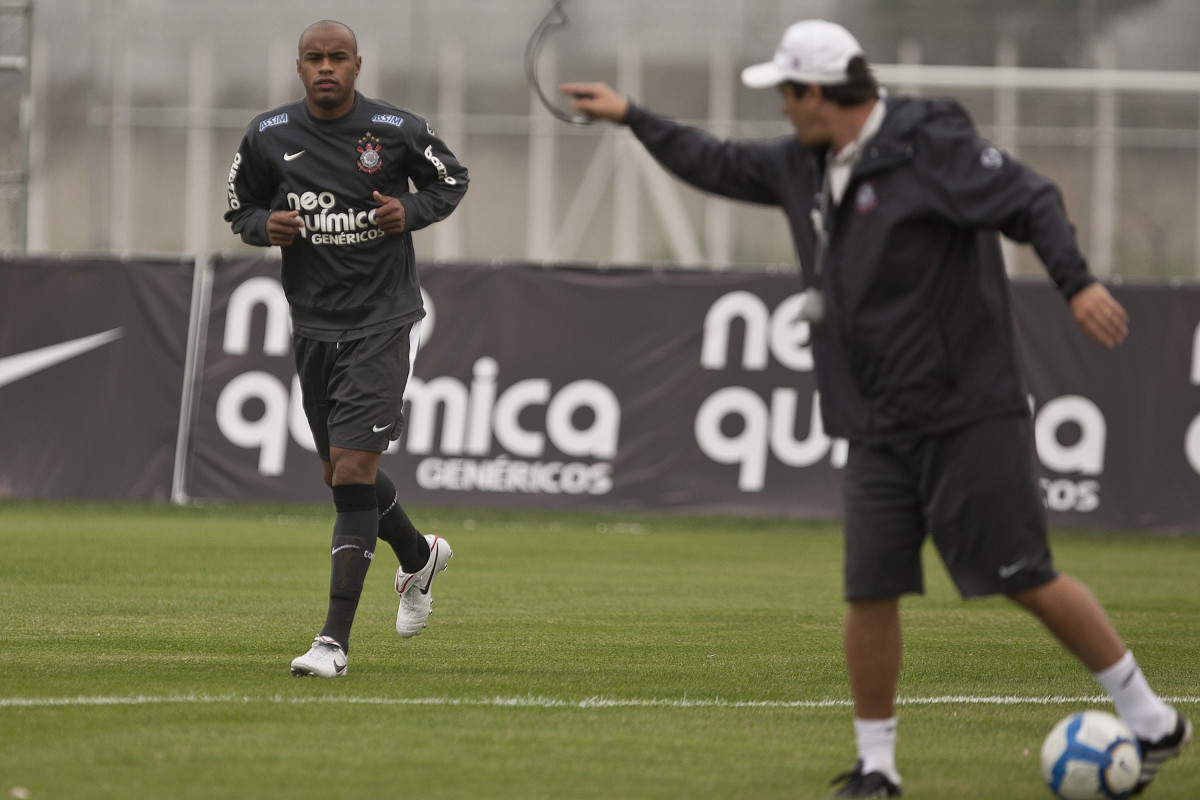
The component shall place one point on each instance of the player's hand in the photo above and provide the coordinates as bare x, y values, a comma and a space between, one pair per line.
1100, 315
282, 227
390, 215
596, 101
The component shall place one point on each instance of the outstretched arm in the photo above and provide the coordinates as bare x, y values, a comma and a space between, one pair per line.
752, 171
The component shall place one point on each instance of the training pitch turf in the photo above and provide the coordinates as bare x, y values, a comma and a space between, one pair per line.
568, 656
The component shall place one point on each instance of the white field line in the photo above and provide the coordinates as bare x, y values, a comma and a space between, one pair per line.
545, 702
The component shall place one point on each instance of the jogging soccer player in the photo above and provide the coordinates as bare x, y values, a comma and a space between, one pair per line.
894, 205
326, 179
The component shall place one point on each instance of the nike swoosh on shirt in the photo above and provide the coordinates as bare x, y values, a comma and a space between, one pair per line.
381, 428
293, 156
21, 365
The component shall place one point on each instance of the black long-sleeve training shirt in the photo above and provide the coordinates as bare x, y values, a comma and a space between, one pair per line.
343, 277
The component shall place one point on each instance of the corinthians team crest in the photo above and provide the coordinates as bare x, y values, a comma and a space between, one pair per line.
369, 160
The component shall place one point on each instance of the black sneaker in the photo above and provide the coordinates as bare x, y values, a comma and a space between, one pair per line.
1154, 754
872, 784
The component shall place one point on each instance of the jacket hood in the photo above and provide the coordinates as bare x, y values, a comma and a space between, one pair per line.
907, 115
909, 120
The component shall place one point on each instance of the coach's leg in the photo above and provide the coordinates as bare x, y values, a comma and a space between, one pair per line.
873, 646
351, 474
1073, 614
873, 651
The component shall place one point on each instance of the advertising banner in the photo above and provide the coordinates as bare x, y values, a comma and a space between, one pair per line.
548, 388
1118, 432
683, 391
91, 368
249, 437
545, 388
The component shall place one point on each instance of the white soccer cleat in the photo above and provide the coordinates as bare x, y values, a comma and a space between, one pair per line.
416, 603
325, 659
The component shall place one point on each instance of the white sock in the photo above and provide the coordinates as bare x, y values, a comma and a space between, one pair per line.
876, 741
1137, 704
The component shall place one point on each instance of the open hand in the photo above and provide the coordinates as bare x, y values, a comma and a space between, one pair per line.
596, 101
1102, 318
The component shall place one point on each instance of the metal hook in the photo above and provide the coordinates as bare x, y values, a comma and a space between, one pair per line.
555, 18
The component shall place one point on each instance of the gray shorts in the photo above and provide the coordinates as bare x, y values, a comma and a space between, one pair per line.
354, 390
974, 491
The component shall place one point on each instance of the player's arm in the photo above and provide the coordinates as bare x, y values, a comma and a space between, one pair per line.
249, 211
439, 179
750, 171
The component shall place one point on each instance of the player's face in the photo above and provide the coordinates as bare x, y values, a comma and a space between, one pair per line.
328, 64
804, 110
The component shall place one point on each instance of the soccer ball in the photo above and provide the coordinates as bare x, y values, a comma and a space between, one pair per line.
1091, 755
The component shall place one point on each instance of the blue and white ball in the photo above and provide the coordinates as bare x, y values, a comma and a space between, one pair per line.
1091, 755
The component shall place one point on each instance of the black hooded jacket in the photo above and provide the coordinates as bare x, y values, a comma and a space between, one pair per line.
917, 338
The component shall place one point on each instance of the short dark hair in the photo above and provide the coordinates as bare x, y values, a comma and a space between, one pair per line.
798, 89
860, 86
329, 23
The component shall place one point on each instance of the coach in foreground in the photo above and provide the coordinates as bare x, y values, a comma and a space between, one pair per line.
327, 180
894, 205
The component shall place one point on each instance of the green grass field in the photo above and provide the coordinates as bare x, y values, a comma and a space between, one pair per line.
569, 656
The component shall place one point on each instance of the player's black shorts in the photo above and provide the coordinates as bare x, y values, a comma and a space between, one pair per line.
354, 390
974, 491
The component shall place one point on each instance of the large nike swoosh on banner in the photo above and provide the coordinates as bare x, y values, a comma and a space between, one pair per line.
15, 367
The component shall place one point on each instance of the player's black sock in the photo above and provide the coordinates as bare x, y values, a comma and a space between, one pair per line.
354, 534
396, 528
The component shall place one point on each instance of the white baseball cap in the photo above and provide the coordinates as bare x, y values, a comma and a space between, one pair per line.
812, 51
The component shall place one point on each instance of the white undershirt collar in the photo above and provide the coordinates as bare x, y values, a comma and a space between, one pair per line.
841, 162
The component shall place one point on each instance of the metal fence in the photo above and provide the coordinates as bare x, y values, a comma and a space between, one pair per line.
16, 27
142, 143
